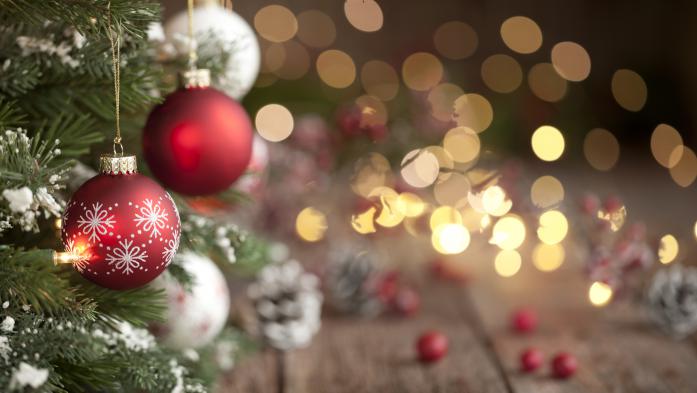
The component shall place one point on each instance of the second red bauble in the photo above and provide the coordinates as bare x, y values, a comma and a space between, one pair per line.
198, 141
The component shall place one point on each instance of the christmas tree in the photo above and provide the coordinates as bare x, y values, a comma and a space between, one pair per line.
59, 331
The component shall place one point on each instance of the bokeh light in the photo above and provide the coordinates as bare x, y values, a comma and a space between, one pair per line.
389, 216
571, 61
545, 82
311, 224
275, 23
601, 148
445, 161
420, 168
546, 192
316, 29
450, 239
274, 122
379, 79
462, 144
508, 233
452, 191
501, 73
507, 263
442, 99
548, 257
296, 62
373, 111
666, 145
553, 227
370, 173
455, 40
421, 71
521, 34
599, 294
363, 223
444, 215
547, 143
668, 249
473, 111
336, 68
684, 171
629, 90
410, 205
364, 15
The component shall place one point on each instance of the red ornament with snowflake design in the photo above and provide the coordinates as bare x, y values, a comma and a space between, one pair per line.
198, 141
123, 226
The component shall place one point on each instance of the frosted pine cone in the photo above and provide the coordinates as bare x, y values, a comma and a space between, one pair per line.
672, 300
351, 283
288, 305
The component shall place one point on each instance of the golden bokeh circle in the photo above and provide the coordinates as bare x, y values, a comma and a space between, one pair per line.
364, 15
571, 61
545, 82
274, 122
462, 143
547, 143
666, 145
455, 40
422, 71
507, 263
629, 90
380, 79
684, 171
442, 99
501, 73
521, 34
601, 148
276, 23
316, 29
473, 111
311, 224
336, 68
546, 192
548, 257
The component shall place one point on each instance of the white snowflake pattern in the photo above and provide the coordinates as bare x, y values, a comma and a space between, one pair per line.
80, 263
152, 217
171, 247
96, 221
127, 258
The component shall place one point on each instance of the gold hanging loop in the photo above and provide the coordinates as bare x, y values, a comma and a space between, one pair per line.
192, 50
115, 41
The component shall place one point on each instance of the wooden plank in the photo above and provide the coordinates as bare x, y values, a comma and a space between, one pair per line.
354, 355
617, 349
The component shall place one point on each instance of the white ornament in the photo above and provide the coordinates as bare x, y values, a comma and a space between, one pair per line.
8, 324
5, 349
20, 199
27, 375
194, 318
96, 221
212, 20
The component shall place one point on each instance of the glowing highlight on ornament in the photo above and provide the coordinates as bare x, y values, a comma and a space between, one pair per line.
600, 294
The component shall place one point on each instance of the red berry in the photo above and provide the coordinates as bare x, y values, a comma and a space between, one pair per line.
387, 287
590, 204
432, 346
531, 359
407, 301
524, 320
612, 204
564, 365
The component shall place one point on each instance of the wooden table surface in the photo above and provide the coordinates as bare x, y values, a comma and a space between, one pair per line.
617, 348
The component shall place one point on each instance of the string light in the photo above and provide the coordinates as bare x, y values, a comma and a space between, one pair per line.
600, 293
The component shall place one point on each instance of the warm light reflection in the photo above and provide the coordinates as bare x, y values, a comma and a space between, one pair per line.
546, 192
316, 29
455, 40
421, 71
501, 73
666, 145
452, 191
629, 90
363, 223
379, 79
599, 293
508, 233
274, 122
571, 61
473, 111
601, 148
364, 15
275, 23
553, 227
311, 224
444, 215
668, 249
389, 216
521, 34
548, 257
420, 168
336, 68
616, 218
450, 239
547, 143
410, 205
462, 144
545, 82
442, 99
684, 171
507, 263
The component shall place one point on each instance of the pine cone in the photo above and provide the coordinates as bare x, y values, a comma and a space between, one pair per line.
288, 305
351, 283
672, 300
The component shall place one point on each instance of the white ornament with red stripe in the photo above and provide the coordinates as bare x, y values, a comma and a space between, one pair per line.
195, 317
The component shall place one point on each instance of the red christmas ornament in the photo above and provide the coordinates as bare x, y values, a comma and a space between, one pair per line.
564, 365
407, 302
432, 346
531, 359
199, 140
123, 227
524, 320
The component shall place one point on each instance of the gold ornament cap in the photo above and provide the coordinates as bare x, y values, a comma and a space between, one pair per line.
199, 77
112, 164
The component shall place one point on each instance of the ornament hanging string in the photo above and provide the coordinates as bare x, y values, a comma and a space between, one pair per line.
115, 41
192, 50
